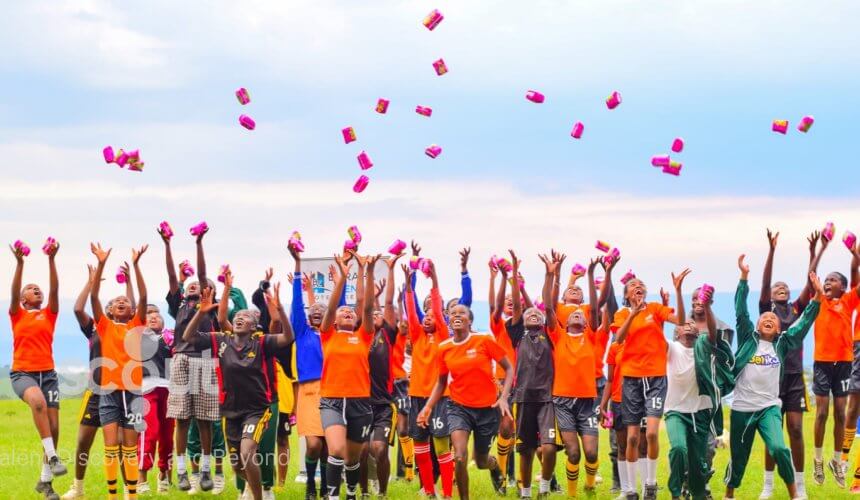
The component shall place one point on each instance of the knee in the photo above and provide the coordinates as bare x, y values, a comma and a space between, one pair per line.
652, 436
573, 455
795, 431
822, 409
38, 405
780, 451
461, 457
379, 450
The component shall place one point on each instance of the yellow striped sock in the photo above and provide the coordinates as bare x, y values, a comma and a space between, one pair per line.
503, 449
847, 441
407, 447
572, 478
130, 468
111, 469
590, 473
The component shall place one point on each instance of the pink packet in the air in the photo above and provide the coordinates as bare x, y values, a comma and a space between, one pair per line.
296, 242
415, 262
121, 158
673, 168
50, 244
364, 161
678, 145
629, 275
433, 19
20, 245
535, 96
828, 231
382, 106
165, 230
578, 128
602, 246
108, 154
349, 245
134, 156
397, 247
199, 229
243, 96
186, 269
222, 275
613, 254
660, 161
361, 184
167, 335
504, 264
805, 123
433, 151
348, 134
424, 110
704, 291
120, 276
354, 234
780, 126
578, 269
439, 66
613, 100
540, 305
850, 239
247, 122
424, 265
136, 166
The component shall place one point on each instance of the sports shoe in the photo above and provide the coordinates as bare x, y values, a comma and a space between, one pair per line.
182, 482
650, 492
818, 471
47, 489
73, 493
218, 484
766, 492
57, 468
373, 486
143, 487
632, 496
163, 485
598, 479
302, 477
512, 483
498, 481
268, 494
195, 484
206, 483
310, 493
836, 470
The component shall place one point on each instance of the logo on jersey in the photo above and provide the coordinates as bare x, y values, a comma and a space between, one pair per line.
471, 353
352, 339
764, 360
221, 349
251, 354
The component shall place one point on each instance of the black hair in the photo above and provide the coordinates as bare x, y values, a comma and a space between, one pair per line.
842, 278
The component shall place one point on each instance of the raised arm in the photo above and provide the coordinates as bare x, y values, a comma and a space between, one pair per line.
744, 325
416, 251
436, 304
411, 313
680, 316
548, 279
369, 296
709, 318
635, 309
224, 305
491, 300
286, 336
54, 292
814, 259
141, 284
125, 269
500, 297
258, 298
81, 315
297, 306
339, 284
766, 275
360, 280
15, 301
592, 295
527, 301
517, 315
95, 302
855, 266
797, 331
465, 279
172, 281
201, 260
388, 311
206, 305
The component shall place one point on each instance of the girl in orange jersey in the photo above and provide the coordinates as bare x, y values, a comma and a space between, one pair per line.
33, 377
425, 338
467, 359
643, 368
345, 407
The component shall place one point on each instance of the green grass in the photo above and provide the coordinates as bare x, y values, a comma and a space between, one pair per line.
20, 452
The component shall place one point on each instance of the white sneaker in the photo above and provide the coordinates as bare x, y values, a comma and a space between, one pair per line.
163, 485
143, 488
766, 492
73, 494
218, 481
194, 479
373, 486
268, 494
302, 477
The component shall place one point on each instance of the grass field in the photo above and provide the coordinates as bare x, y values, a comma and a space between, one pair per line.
20, 451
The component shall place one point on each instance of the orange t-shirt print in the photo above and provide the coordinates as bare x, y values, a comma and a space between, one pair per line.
470, 366
33, 339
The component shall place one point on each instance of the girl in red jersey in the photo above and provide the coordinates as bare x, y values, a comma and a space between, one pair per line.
467, 359
33, 377
345, 407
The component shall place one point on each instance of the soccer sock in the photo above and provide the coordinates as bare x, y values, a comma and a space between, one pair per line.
642, 463
651, 466
78, 485
622, 475
180, 464
334, 468
525, 492
768, 478
503, 449
798, 480
572, 478
46, 474
48, 446
632, 468
819, 453
425, 467
446, 471
352, 476
847, 441
131, 470
544, 485
837, 456
406, 446
590, 473
111, 469
204, 463
311, 469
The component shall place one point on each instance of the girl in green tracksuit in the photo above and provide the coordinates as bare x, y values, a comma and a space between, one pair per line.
758, 371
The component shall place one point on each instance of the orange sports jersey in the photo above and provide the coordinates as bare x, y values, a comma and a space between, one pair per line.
645, 347
857, 325
398, 356
500, 332
346, 369
574, 361
563, 312
33, 340
833, 336
120, 349
425, 348
470, 365
612, 360
601, 339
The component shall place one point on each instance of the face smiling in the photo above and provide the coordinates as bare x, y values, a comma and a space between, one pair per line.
459, 318
768, 326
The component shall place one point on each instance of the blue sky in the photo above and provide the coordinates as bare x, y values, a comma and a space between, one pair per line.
160, 77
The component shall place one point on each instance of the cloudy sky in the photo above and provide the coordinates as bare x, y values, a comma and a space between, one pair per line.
84, 74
